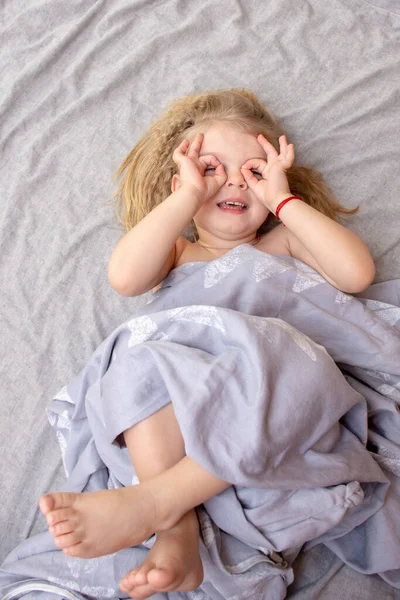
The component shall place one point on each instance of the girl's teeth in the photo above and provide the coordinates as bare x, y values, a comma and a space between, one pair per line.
232, 205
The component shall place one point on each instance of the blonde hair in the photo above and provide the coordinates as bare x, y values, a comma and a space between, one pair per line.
147, 170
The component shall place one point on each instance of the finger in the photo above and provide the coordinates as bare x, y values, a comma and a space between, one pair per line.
195, 146
208, 160
258, 164
283, 145
217, 180
291, 154
220, 174
250, 178
180, 150
286, 152
268, 148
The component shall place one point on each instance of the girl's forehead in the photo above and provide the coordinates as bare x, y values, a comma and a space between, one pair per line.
227, 137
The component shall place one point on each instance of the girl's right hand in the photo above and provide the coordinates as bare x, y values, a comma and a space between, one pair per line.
192, 169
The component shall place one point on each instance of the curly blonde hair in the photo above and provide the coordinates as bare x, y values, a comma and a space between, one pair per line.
147, 170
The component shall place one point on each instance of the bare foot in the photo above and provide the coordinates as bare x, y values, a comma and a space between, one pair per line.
93, 524
173, 563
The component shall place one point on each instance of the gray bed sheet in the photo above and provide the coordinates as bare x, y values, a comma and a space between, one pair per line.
80, 82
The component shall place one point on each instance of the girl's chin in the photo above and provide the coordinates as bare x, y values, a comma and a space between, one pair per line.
230, 222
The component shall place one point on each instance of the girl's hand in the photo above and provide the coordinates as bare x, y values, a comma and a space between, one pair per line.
271, 185
192, 169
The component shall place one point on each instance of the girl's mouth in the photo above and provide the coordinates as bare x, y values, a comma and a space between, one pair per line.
234, 206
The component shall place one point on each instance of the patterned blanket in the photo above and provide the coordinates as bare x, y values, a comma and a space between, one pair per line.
282, 385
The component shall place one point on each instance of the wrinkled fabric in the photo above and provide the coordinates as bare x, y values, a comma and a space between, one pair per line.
282, 385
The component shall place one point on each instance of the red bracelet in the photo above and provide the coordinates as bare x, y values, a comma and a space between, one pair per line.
283, 204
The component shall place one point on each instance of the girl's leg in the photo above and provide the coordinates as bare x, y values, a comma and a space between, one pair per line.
155, 444
81, 524
173, 562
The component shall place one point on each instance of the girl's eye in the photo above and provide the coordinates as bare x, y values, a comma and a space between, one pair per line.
255, 173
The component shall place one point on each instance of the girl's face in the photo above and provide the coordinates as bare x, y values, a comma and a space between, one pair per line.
232, 147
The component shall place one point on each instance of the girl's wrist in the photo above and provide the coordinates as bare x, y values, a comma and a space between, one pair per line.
274, 205
192, 195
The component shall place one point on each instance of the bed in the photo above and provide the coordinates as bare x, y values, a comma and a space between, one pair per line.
81, 82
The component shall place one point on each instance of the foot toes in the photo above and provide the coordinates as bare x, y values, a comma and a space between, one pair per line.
160, 578
46, 503
137, 576
142, 591
60, 515
50, 502
67, 540
62, 528
77, 550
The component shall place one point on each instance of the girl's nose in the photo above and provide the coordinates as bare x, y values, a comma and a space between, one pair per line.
236, 179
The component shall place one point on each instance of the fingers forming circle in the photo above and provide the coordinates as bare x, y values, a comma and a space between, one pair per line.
257, 164
209, 160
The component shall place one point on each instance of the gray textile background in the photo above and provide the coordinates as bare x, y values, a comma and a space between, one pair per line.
80, 83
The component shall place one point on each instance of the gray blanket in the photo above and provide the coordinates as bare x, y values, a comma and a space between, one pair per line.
283, 386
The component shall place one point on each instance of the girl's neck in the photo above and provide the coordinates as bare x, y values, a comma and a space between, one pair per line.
222, 246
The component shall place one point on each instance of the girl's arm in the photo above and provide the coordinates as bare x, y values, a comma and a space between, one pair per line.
328, 247
146, 254
335, 252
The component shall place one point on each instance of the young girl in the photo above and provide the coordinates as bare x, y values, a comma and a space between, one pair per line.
220, 163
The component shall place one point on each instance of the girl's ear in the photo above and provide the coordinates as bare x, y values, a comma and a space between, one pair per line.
175, 183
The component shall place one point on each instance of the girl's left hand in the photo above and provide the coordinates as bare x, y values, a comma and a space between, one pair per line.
273, 186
